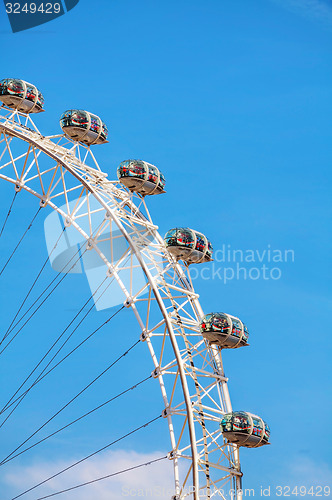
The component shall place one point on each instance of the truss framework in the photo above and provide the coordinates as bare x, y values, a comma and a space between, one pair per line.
65, 175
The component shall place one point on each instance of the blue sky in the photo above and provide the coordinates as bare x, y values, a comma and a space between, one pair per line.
232, 101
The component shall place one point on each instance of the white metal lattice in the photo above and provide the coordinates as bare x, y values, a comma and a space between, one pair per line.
65, 175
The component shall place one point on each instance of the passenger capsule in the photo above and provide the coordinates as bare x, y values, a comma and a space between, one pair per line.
141, 177
245, 429
188, 245
21, 95
83, 126
224, 330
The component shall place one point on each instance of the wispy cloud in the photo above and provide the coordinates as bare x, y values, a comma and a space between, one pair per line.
307, 472
319, 10
300, 471
152, 482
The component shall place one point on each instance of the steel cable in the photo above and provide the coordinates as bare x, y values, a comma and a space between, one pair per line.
45, 290
42, 375
72, 400
77, 419
89, 456
8, 214
40, 305
54, 344
102, 478
31, 288
20, 241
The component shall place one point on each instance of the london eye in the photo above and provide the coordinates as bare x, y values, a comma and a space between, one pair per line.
117, 234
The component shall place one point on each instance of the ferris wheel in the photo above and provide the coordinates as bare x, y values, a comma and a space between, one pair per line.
112, 220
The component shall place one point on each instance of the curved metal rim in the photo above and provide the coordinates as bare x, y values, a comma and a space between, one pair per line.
150, 279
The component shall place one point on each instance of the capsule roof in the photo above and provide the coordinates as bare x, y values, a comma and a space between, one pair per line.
141, 177
83, 126
224, 330
245, 429
21, 95
189, 245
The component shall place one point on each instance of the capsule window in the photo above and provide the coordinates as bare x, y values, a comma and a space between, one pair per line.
65, 119
245, 333
104, 131
257, 427
208, 318
241, 423
267, 432
123, 168
227, 423
40, 100
221, 324
79, 119
171, 237
3, 87
137, 170
130, 169
153, 174
200, 242
16, 88
31, 93
162, 181
209, 249
185, 238
236, 328
95, 124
